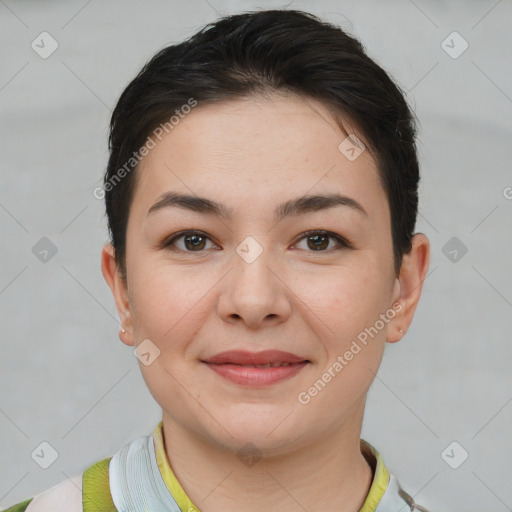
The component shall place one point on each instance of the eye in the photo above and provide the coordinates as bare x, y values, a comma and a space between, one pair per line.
193, 241
318, 241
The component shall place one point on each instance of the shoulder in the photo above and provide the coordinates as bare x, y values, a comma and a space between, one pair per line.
66, 496
87, 492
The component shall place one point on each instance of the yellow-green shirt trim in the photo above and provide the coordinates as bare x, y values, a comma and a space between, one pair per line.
179, 495
96, 495
380, 478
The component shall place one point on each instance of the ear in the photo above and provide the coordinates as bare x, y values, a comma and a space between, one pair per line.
119, 290
408, 286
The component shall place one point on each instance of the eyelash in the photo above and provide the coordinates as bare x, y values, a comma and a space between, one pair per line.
342, 242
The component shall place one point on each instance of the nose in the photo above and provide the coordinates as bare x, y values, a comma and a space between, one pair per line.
255, 291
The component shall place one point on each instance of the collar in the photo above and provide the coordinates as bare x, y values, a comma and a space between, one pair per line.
141, 479
373, 502
183, 501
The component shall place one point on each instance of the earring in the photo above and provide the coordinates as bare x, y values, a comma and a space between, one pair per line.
401, 331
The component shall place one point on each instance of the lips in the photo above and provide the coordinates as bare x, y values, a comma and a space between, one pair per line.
272, 358
256, 369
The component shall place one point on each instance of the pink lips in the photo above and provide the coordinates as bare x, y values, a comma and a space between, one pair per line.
256, 368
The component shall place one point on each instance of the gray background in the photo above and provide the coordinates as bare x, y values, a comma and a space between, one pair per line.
65, 377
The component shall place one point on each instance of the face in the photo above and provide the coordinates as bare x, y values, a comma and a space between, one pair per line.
257, 270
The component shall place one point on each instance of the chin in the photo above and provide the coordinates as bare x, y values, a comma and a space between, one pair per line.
270, 434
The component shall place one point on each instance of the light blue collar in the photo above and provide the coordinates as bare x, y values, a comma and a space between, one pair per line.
136, 483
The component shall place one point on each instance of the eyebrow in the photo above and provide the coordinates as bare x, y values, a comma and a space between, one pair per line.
298, 206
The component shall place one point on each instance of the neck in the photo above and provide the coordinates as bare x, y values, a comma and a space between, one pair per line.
328, 474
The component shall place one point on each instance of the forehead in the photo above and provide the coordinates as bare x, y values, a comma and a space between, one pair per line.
258, 149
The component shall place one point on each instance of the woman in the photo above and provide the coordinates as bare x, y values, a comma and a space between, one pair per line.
261, 194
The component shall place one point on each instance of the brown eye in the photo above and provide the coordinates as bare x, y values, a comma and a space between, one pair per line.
318, 241
193, 241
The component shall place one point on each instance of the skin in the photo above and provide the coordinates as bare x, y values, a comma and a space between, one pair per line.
252, 154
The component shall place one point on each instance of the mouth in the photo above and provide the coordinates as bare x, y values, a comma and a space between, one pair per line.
268, 365
267, 357
256, 368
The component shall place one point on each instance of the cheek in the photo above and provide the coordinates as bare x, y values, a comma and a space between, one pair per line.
345, 315
168, 310
167, 304
345, 300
